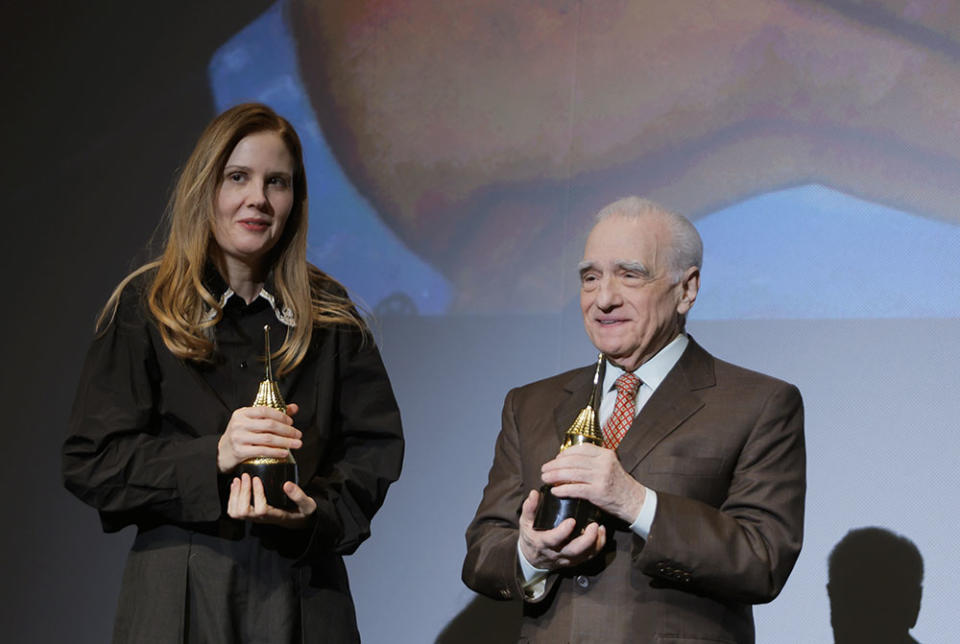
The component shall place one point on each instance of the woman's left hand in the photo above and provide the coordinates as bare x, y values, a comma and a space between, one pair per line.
247, 501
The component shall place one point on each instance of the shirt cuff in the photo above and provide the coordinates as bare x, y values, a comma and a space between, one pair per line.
641, 526
534, 579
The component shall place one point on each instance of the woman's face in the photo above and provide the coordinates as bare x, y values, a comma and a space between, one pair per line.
254, 200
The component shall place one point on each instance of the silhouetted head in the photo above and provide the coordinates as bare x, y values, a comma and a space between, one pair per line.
875, 585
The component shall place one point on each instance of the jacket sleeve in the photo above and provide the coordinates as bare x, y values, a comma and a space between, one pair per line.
744, 549
365, 456
491, 564
115, 458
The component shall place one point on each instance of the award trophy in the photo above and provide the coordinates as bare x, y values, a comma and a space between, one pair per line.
273, 472
553, 510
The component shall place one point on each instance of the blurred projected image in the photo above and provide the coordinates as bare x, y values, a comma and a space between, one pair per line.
347, 236
814, 253
457, 150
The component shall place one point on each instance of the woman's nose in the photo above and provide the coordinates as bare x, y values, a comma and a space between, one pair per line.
257, 195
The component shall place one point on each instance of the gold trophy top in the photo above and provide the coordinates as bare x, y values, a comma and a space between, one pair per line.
268, 395
586, 427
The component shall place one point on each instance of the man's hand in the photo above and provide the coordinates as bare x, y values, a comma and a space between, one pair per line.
595, 474
559, 547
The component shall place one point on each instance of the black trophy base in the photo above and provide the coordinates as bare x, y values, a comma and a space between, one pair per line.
553, 510
273, 476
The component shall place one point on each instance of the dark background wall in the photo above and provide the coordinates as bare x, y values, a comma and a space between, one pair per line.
103, 101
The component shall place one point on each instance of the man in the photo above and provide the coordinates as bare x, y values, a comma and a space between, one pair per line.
702, 478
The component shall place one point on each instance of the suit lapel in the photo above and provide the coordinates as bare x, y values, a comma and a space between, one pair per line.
674, 401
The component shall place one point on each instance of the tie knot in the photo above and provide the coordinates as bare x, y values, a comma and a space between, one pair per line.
627, 384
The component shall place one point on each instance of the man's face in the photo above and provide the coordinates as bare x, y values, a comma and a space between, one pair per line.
631, 302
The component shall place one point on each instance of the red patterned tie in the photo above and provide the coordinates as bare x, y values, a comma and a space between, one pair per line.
624, 411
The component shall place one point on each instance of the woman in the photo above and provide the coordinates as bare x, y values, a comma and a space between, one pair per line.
163, 416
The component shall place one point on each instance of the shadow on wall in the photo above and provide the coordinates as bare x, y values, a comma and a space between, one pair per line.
875, 586
483, 621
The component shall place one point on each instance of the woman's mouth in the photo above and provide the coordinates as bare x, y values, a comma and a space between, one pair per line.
255, 225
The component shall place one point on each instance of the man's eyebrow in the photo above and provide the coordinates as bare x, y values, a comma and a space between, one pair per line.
619, 264
633, 266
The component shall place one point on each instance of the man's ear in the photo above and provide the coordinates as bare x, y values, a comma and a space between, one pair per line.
689, 286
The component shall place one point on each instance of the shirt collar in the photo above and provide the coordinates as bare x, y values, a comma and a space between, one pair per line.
652, 372
218, 287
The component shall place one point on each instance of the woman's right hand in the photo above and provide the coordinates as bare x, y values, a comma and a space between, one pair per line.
257, 431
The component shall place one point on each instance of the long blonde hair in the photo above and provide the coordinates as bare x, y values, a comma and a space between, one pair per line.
176, 296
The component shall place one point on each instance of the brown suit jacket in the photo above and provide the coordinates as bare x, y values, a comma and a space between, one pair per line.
724, 449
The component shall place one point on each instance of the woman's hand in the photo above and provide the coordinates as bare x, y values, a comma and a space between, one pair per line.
257, 431
247, 501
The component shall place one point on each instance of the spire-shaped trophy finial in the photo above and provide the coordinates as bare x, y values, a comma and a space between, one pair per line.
586, 428
269, 393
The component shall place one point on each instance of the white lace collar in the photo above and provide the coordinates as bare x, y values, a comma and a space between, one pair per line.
285, 315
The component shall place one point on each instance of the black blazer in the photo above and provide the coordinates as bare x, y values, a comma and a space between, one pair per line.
142, 450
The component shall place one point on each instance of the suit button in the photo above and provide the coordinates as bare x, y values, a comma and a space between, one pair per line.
582, 581
243, 364
505, 593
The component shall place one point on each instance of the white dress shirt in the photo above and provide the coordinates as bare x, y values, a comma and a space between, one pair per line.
651, 373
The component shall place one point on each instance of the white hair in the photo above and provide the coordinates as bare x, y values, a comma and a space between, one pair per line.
686, 247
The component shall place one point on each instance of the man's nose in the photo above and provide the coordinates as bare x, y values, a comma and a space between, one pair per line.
608, 294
